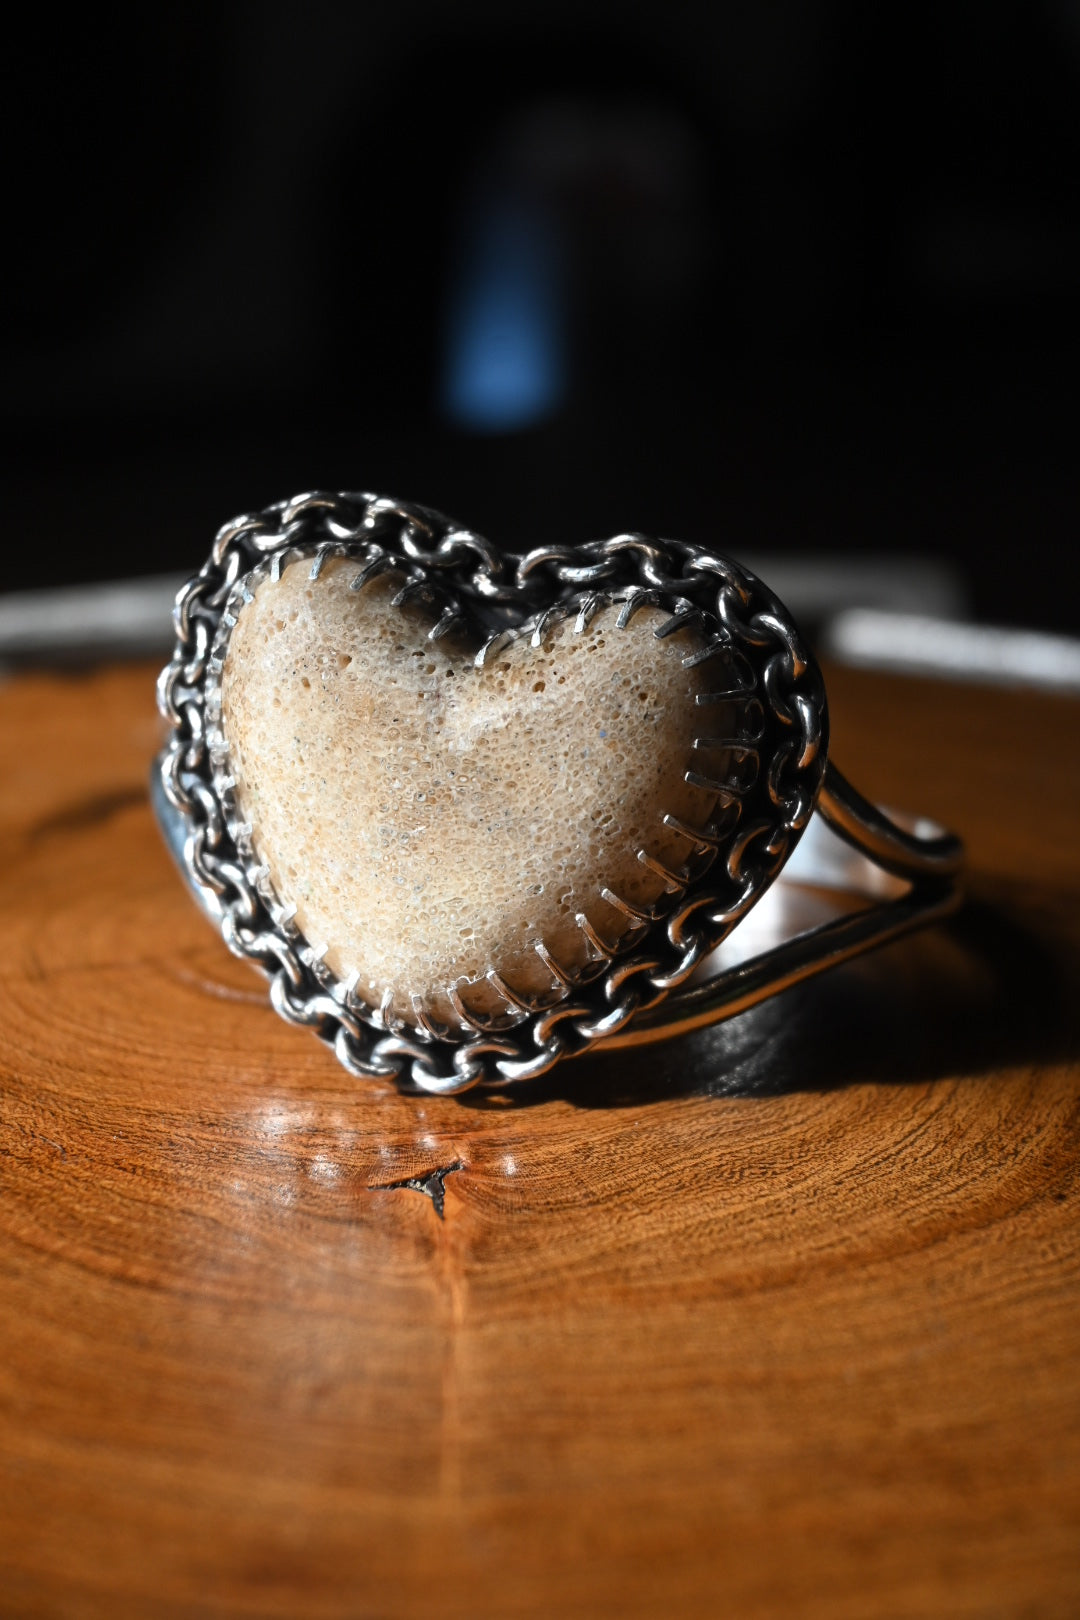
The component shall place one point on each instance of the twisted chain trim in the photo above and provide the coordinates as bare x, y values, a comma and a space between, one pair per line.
766, 668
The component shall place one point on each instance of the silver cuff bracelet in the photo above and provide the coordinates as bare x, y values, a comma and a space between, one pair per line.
623, 961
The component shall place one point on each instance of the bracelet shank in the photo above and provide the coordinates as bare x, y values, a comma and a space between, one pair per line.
877, 856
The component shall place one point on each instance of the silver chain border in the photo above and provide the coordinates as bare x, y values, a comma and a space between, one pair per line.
465, 578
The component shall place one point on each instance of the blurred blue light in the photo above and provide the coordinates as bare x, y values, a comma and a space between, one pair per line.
505, 340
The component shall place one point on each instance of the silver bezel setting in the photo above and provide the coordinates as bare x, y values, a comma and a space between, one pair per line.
779, 750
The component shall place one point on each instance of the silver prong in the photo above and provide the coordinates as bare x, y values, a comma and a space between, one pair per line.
593, 937
678, 621
369, 570
550, 616
467, 1019
411, 588
730, 745
492, 645
703, 654
511, 997
559, 974
437, 1032
588, 611
672, 881
696, 779
701, 839
386, 1013
637, 599
449, 618
635, 913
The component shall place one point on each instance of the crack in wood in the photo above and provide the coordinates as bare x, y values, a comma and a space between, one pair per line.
432, 1185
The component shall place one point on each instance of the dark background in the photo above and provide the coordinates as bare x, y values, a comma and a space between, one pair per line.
773, 277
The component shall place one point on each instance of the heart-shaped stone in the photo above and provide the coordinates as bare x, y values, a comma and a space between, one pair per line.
440, 826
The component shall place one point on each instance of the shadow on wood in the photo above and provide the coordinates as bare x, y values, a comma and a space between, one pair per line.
997, 985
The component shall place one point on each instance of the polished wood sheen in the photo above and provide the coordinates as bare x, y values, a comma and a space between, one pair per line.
782, 1318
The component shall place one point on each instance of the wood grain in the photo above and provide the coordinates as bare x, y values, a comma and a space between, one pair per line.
782, 1318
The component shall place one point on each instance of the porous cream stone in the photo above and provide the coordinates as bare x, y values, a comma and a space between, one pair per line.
430, 820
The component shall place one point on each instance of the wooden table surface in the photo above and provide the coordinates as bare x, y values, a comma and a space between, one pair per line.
780, 1319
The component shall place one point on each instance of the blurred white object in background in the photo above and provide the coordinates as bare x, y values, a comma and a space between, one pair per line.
121, 619
918, 644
